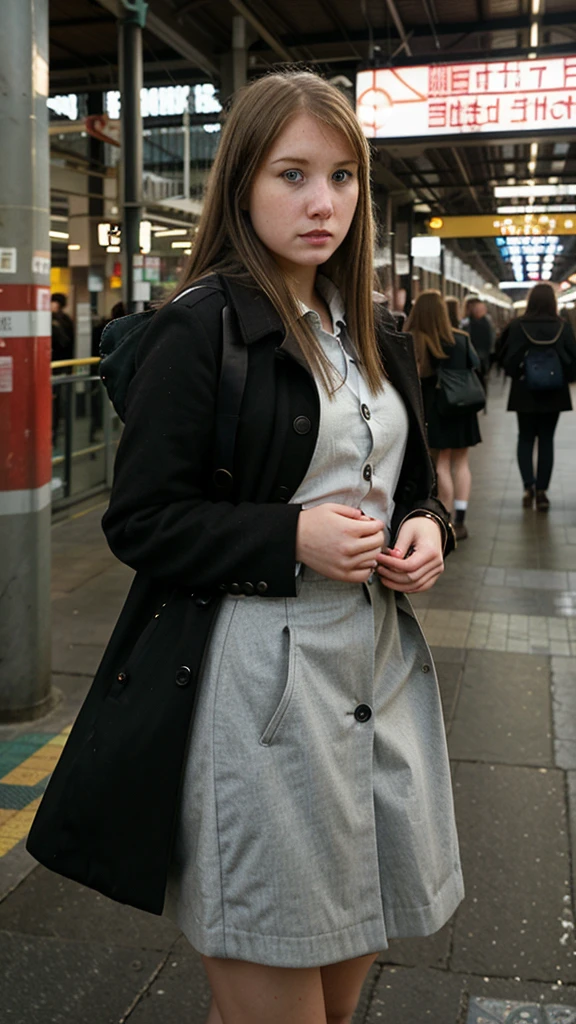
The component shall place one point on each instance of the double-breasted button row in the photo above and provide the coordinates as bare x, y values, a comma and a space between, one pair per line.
302, 425
248, 589
183, 675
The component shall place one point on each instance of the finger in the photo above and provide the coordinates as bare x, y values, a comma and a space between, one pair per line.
344, 510
356, 548
423, 584
401, 576
366, 528
414, 562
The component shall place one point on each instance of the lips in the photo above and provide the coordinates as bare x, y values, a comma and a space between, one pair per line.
317, 234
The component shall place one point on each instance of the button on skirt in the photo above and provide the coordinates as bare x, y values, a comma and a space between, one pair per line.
316, 817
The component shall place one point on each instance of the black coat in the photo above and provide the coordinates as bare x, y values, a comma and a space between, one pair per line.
512, 347
108, 815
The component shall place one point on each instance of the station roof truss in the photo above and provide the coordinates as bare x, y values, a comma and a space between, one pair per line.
186, 41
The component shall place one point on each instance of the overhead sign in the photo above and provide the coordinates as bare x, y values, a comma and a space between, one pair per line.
467, 99
486, 226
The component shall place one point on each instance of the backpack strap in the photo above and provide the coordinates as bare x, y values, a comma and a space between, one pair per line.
552, 341
233, 374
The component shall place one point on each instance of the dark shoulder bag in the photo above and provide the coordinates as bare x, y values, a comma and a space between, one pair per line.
459, 391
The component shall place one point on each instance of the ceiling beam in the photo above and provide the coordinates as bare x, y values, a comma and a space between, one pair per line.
267, 37
162, 22
443, 28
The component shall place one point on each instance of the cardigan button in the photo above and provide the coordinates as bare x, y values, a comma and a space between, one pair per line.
261, 587
425, 667
302, 425
363, 713
248, 589
365, 411
182, 676
367, 472
234, 588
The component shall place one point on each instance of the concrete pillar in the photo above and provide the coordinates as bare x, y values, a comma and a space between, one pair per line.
25, 393
239, 54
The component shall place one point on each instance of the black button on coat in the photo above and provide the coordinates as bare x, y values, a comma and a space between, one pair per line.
107, 818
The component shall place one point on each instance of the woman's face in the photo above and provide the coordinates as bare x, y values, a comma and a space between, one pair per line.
304, 194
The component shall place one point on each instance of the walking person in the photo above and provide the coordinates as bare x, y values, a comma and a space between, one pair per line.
307, 816
479, 326
538, 351
439, 342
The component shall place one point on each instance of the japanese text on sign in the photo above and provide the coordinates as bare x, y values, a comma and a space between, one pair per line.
457, 99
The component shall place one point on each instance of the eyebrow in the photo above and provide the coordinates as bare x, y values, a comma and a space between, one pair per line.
303, 160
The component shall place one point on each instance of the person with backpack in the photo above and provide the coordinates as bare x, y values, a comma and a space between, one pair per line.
263, 750
538, 351
443, 350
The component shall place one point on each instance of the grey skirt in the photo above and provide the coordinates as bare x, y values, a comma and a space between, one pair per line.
316, 818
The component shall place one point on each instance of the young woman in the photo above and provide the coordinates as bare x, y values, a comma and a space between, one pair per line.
309, 818
437, 337
537, 410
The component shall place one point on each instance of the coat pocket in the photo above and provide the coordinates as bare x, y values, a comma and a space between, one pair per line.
118, 685
271, 730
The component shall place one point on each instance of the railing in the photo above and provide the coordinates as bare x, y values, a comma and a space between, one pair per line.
85, 432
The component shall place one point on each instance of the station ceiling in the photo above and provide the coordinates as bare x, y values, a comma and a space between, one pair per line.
187, 41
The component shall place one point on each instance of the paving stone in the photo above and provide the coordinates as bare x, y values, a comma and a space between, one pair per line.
405, 995
449, 676
49, 981
564, 711
49, 905
432, 951
78, 658
503, 712
180, 992
516, 918
483, 1011
571, 779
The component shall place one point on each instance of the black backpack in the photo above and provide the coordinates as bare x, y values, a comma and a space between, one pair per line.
119, 345
543, 370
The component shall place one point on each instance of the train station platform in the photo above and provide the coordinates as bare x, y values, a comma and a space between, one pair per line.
502, 625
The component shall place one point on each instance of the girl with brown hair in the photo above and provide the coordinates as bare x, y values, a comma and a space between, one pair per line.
438, 340
306, 816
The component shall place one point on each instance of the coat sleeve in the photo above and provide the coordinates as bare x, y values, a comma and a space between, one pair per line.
161, 520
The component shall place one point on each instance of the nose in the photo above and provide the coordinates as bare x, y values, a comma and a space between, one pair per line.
320, 203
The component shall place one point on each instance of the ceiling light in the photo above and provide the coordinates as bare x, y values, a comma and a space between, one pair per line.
170, 233
533, 150
535, 6
59, 234
533, 191
534, 34
180, 245
504, 285
532, 165
112, 248
553, 181
542, 208
74, 248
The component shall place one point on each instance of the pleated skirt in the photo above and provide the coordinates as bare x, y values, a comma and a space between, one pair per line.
316, 817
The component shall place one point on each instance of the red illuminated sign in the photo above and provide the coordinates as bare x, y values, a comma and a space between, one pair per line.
464, 99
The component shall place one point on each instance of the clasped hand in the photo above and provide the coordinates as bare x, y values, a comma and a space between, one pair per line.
343, 544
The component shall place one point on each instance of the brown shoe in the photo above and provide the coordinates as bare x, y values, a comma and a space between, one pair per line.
460, 531
542, 501
528, 498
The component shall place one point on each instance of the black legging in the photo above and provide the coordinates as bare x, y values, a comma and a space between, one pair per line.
532, 425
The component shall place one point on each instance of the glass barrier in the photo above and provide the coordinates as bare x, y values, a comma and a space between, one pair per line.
85, 433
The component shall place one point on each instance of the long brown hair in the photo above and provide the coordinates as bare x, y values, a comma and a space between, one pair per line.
429, 324
226, 242
542, 301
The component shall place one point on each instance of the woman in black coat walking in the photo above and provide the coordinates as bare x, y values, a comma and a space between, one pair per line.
304, 814
439, 342
538, 350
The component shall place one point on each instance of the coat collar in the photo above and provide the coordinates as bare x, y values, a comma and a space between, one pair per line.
258, 319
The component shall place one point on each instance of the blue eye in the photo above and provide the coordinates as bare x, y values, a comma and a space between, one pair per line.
344, 175
292, 176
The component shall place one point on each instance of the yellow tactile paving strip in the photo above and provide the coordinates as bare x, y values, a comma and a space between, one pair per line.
15, 823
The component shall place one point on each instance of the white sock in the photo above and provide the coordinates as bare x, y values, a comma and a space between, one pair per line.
460, 505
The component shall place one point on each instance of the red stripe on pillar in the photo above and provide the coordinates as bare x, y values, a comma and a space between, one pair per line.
25, 411
24, 296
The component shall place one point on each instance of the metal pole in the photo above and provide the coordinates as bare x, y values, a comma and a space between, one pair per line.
186, 151
130, 75
25, 393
